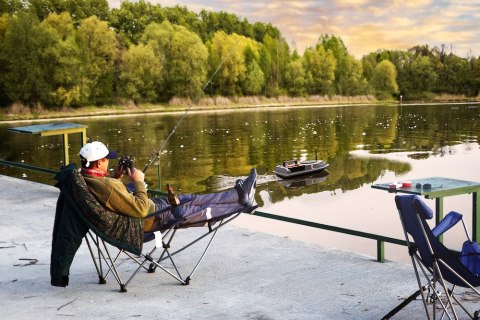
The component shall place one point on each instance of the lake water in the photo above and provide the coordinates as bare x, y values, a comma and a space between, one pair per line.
362, 144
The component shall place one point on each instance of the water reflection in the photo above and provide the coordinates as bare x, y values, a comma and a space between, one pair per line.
346, 173
209, 151
298, 183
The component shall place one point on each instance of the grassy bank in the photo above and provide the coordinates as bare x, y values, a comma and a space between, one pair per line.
17, 111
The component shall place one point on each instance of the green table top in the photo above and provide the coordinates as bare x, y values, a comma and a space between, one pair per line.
49, 127
440, 187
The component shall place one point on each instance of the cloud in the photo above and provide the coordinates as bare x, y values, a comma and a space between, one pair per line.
363, 25
114, 3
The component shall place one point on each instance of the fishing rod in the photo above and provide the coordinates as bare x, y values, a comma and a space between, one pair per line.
157, 154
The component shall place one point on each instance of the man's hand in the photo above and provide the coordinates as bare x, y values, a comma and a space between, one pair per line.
117, 173
136, 175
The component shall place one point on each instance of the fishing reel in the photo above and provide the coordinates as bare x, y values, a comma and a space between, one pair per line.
126, 162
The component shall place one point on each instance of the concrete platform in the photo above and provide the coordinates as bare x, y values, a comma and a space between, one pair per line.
246, 275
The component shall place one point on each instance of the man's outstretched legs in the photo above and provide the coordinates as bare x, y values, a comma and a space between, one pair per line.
202, 207
243, 193
200, 214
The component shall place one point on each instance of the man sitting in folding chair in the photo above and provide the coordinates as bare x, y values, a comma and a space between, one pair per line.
108, 202
113, 194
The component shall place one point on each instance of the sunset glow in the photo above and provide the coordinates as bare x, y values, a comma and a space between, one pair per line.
364, 25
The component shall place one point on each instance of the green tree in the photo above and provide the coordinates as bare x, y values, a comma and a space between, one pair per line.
82, 9
78, 9
140, 74
97, 52
369, 62
228, 51
183, 56
61, 24
354, 82
423, 76
131, 19
254, 79
209, 22
212, 22
181, 16
11, 6
453, 74
5, 22
321, 65
42, 8
336, 46
24, 52
474, 79
384, 79
63, 61
273, 61
295, 78
402, 61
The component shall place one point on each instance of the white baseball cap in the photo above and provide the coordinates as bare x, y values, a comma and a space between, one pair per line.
96, 150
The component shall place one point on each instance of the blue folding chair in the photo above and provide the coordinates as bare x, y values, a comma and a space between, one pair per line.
435, 265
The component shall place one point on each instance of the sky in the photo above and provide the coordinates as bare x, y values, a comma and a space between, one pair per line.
365, 26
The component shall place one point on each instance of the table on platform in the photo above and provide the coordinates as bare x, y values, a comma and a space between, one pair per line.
437, 188
52, 129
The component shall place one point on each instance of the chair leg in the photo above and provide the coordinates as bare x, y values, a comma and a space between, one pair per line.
401, 305
203, 254
151, 268
111, 261
104, 255
166, 254
98, 265
417, 267
157, 264
140, 265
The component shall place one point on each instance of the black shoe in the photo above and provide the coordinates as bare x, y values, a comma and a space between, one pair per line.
238, 187
248, 188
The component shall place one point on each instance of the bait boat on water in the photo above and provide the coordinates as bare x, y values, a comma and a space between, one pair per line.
295, 168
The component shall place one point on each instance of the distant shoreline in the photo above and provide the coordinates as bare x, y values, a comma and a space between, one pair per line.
101, 112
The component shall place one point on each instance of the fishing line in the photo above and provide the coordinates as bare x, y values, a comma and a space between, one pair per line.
157, 154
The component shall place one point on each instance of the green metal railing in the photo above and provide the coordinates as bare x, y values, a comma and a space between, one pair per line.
26, 166
381, 240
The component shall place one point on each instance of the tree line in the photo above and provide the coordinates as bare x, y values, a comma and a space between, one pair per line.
80, 52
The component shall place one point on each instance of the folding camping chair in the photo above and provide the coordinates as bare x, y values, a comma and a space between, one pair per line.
101, 227
162, 240
435, 265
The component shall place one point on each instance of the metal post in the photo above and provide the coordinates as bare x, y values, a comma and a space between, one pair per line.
475, 218
158, 175
65, 149
439, 213
84, 136
380, 251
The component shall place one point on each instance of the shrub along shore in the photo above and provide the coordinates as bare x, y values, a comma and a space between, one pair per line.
19, 112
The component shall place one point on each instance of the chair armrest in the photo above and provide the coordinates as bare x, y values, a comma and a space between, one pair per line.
449, 221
